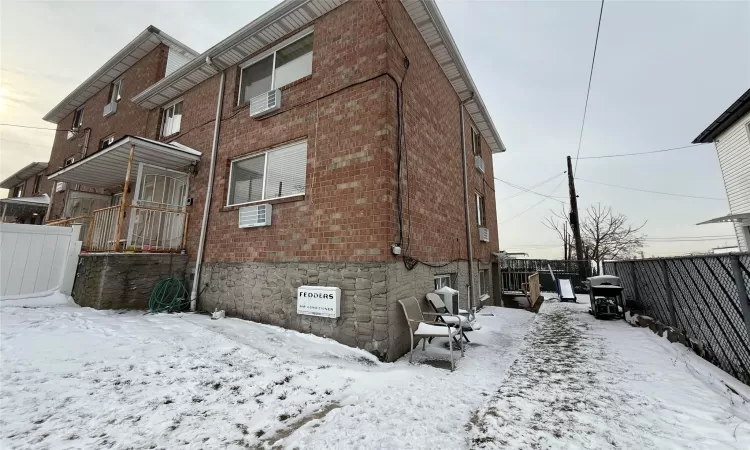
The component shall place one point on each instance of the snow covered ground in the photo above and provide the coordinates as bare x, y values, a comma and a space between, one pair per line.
584, 383
76, 377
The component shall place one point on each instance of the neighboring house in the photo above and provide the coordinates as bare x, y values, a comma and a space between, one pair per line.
337, 160
730, 133
27, 202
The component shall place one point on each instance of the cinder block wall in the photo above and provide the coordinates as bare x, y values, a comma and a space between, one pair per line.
123, 281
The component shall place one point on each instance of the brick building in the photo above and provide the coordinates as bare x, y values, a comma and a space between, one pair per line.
26, 202
319, 145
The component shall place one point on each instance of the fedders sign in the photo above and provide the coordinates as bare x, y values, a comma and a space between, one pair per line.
319, 301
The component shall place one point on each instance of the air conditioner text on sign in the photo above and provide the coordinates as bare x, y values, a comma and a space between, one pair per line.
319, 301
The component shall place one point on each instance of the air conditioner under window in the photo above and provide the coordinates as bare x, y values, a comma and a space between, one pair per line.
479, 163
110, 108
72, 133
255, 216
265, 103
484, 234
61, 186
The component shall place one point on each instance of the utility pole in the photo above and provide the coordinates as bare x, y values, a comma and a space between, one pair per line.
574, 225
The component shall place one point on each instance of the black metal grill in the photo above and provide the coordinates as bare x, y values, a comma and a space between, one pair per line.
698, 295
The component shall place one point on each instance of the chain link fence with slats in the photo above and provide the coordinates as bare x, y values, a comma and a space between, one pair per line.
706, 297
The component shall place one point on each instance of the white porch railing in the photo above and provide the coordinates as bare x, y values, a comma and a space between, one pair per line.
103, 231
156, 229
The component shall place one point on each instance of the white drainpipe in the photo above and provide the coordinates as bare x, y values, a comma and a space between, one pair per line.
209, 192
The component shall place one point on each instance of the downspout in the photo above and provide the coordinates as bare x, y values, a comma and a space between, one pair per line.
467, 215
209, 192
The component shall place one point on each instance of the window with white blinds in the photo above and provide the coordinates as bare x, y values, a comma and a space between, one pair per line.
274, 174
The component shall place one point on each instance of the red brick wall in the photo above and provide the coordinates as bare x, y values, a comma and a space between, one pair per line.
340, 109
434, 224
129, 118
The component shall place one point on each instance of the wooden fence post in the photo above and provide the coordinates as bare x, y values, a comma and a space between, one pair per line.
739, 281
670, 298
123, 204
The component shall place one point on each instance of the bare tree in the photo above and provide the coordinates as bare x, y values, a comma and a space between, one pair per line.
605, 234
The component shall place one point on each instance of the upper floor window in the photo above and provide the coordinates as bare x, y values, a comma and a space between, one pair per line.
480, 209
18, 190
172, 119
276, 173
476, 142
77, 119
282, 66
37, 183
69, 161
106, 142
115, 91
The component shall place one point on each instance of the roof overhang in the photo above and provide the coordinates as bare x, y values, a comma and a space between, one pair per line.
18, 206
23, 174
107, 168
725, 120
427, 18
139, 47
279, 21
730, 218
292, 15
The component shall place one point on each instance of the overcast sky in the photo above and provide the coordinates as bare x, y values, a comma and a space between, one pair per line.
664, 71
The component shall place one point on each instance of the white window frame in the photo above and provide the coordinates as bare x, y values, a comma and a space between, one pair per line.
164, 116
110, 138
116, 93
38, 178
69, 161
272, 50
263, 153
441, 277
21, 191
476, 138
77, 124
481, 212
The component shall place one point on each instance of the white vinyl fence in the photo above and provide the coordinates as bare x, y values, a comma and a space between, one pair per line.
37, 258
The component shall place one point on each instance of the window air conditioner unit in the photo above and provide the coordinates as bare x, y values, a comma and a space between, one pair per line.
484, 234
61, 186
110, 108
255, 216
72, 133
265, 103
479, 163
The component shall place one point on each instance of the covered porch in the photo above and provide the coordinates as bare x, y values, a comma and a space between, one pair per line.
146, 185
30, 210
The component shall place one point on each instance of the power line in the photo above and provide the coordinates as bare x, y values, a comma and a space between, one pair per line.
687, 240
525, 189
533, 206
529, 190
650, 192
26, 126
588, 90
695, 237
25, 143
641, 153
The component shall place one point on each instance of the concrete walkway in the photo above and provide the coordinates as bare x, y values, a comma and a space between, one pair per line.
586, 383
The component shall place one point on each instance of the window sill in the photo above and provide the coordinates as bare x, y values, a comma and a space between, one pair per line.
276, 201
169, 137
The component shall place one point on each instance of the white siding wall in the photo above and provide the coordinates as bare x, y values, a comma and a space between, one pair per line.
175, 60
733, 147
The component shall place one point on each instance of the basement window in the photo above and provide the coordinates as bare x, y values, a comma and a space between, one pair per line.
442, 281
276, 173
171, 119
284, 65
484, 282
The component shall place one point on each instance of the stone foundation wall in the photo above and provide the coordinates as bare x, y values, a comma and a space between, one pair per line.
371, 317
123, 281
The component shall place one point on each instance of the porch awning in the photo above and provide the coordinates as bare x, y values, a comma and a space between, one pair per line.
106, 168
21, 206
740, 217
